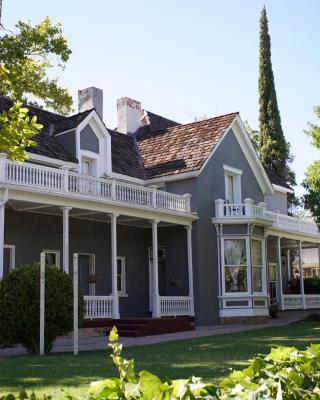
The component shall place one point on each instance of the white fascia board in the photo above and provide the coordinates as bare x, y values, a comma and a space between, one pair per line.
51, 161
232, 169
281, 189
175, 177
251, 155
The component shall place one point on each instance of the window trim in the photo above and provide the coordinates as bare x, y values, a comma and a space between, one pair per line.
12, 249
236, 175
123, 292
263, 266
247, 247
57, 254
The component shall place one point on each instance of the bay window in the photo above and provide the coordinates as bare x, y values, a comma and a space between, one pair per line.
258, 265
235, 266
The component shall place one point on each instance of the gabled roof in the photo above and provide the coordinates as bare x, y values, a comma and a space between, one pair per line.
277, 180
67, 123
125, 155
152, 122
181, 148
49, 146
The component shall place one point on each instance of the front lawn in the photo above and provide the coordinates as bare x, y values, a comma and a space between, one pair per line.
209, 357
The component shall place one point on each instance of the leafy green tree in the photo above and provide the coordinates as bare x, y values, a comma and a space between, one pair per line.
312, 181
254, 135
273, 148
26, 58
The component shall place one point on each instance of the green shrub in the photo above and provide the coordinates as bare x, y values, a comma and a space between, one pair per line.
20, 306
284, 374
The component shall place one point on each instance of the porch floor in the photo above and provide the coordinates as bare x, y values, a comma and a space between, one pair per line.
138, 327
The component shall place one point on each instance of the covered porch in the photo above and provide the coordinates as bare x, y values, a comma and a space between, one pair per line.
129, 265
294, 272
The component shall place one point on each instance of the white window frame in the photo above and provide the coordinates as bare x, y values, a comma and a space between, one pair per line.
123, 291
56, 253
263, 266
92, 158
92, 271
12, 249
236, 175
223, 265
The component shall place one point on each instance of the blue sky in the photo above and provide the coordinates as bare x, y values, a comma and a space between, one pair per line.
182, 58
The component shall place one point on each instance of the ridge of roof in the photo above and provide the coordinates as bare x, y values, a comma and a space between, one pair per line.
143, 134
70, 122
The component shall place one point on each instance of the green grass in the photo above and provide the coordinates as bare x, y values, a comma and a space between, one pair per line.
209, 357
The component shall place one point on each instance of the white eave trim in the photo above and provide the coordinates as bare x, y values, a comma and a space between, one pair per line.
51, 161
175, 177
282, 189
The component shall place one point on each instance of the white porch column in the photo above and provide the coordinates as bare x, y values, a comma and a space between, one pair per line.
280, 272
114, 256
65, 238
301, 276
190, 268
2, 213
155, 284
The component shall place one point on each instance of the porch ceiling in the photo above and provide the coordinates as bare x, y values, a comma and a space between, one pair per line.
290, 243
23, 206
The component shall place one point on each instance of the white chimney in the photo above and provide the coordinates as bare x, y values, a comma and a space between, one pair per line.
129, 115
89, 98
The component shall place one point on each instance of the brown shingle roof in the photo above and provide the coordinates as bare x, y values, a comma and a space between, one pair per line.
181, 148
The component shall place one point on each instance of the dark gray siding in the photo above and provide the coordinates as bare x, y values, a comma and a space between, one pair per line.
68, 141
209, 186
89, 140
31, 233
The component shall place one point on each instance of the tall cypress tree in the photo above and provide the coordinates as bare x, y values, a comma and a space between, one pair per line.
273, 149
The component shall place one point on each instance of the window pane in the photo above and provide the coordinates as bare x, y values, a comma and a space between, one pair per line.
236, 279
119, 268
230, 189
272, 272
257, 279
235, 252
119, 286
257, 252
50, 259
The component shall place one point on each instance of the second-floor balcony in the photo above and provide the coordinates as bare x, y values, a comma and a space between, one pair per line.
250, 211
45, 179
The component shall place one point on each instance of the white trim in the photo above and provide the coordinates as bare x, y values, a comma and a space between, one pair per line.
175, 177
51, 161
281, 189
251, 155
12, 249
243, 312
67, 131
123, 291
56, 253
232, 170
127, 178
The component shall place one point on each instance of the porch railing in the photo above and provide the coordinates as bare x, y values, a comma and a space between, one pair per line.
98, 307
292, 301
250, 210
176, 305
64, 181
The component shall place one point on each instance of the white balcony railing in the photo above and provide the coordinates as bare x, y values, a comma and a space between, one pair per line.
250, 210
98, 307
176, 305
63, 181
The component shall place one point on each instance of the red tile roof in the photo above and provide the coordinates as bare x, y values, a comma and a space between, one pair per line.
181, 148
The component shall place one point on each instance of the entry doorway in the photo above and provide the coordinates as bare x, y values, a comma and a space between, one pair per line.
162, 273
272, 267
86, 273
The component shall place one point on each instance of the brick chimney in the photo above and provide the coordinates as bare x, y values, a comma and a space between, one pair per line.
129, 115
91, 97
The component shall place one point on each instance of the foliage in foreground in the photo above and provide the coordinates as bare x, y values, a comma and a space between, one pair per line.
285, 373
20, 305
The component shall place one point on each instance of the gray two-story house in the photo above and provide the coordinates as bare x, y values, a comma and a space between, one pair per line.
164, 219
